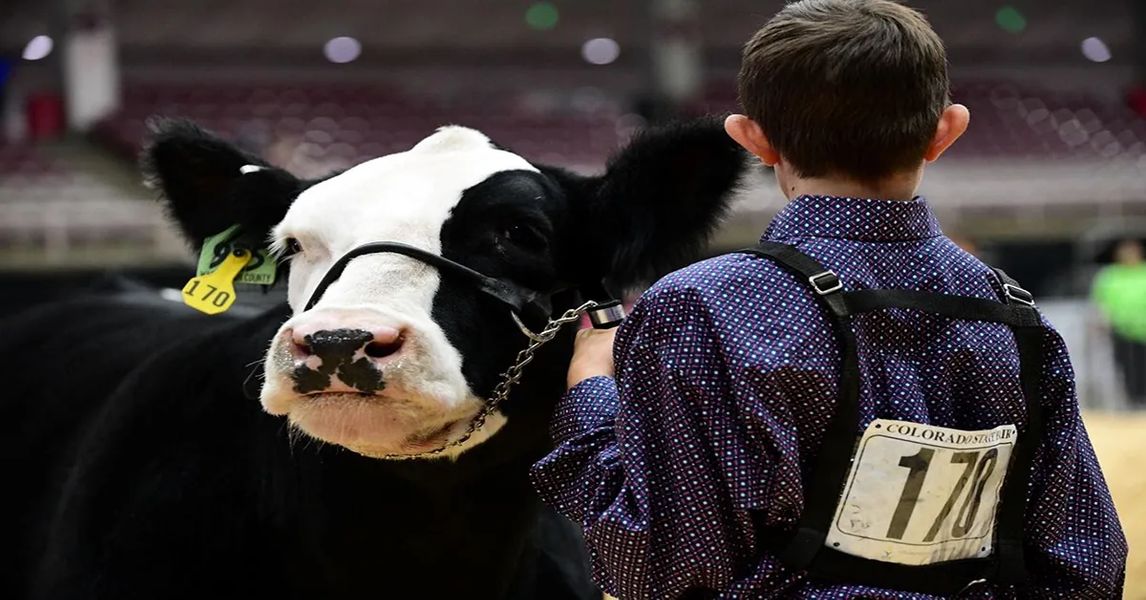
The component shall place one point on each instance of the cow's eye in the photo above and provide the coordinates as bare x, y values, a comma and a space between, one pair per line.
524, 237
291, 247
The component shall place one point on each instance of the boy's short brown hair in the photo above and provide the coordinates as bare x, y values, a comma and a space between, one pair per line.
846, 87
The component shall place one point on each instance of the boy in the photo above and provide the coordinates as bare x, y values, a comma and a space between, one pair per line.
831, 435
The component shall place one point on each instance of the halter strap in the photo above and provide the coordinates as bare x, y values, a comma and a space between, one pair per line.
529, 303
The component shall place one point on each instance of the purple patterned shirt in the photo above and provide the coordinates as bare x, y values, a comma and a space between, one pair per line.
681, 468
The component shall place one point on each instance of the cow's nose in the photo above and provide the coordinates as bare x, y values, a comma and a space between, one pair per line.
342, 344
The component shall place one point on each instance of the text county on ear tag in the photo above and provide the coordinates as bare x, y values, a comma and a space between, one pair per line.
214, 292
260, 270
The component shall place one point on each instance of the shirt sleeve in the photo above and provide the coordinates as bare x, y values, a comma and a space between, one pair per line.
642, 462
1075, 544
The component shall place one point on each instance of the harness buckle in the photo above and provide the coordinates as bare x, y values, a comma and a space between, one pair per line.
1018, 294
831, 283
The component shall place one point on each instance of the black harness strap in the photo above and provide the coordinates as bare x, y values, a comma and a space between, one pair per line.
805, 549
956, 307
834, 459
824, 283
1013, 504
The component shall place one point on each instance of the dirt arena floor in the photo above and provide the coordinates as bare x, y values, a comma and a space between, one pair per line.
1120, 441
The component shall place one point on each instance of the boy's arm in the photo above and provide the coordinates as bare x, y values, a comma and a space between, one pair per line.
1073, 537
643, 461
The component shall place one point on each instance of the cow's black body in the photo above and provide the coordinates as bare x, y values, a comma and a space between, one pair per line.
177, 485
139, 463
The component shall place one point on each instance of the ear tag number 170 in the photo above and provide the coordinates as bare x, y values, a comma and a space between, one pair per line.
214, 292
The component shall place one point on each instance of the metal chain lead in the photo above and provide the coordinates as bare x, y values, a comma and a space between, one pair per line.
511, 376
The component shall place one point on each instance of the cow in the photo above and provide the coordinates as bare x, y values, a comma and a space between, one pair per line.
332, 446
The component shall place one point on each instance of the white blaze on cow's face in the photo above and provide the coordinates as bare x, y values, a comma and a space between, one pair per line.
368, 368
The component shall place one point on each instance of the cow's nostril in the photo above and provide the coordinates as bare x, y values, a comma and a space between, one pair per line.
335, 346
298, 344
301, 350
380, 349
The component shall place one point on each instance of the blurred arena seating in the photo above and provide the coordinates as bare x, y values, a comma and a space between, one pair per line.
1027, 144
1017, 121
313, 129
61, 204
1038, 165
22, 160
1028, 147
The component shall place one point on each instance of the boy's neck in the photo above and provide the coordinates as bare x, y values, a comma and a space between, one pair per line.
900, 187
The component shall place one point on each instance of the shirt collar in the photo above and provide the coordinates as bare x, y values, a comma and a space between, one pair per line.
855, 219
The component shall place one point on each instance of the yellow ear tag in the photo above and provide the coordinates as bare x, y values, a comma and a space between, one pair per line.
214, 292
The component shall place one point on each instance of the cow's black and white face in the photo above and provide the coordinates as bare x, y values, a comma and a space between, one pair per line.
369, 367
397, 358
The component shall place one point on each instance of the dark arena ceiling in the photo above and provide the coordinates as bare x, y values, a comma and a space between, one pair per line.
412, 30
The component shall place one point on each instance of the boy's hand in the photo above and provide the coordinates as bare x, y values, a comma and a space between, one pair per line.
592, 355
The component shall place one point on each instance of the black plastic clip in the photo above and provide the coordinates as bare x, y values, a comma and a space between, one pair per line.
831, 283
1018, 294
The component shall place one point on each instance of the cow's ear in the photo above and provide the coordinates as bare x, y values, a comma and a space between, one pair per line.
658, 201
208, 184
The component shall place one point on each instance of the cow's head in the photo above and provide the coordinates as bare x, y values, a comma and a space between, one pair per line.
396, 357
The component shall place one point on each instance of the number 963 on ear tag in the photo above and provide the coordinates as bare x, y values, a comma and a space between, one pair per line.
214, 292
921, 494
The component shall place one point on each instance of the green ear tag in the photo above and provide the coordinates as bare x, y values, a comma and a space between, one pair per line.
260, 270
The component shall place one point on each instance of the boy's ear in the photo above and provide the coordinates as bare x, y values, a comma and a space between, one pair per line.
657, 203
751, 137
208, 184
953, 123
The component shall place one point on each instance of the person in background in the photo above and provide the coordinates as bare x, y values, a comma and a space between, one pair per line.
1119, 291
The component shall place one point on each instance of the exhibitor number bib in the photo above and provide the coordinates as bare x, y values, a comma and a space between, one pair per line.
921, 494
